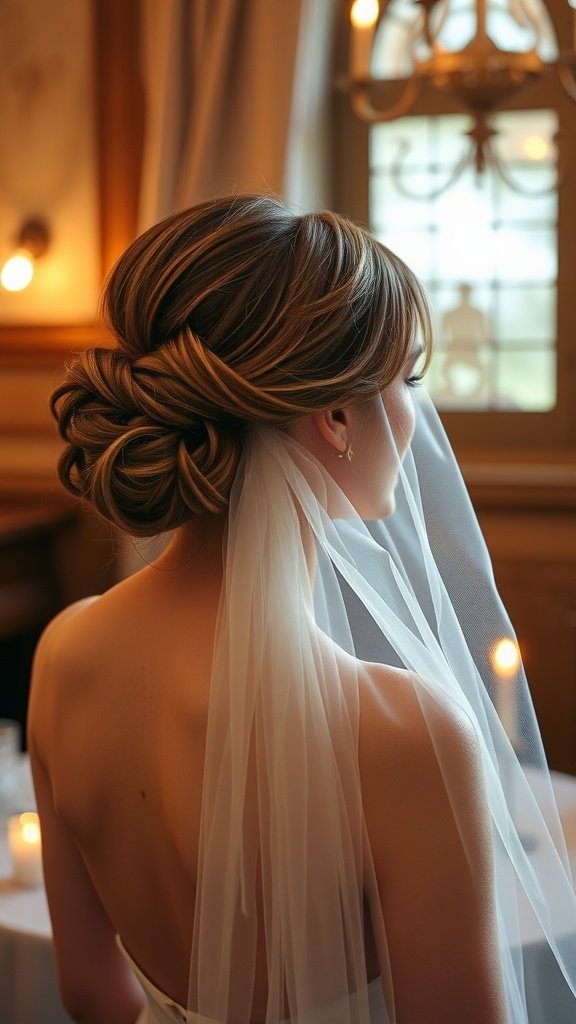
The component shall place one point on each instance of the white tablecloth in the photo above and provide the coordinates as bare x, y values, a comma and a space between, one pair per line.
28, 987
541, 972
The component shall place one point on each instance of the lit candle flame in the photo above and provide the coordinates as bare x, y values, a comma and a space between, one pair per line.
29, 827
506, 657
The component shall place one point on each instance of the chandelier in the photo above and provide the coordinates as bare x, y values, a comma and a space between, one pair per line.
480, 75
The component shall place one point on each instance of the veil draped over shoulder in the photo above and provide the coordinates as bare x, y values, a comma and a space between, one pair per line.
314, 600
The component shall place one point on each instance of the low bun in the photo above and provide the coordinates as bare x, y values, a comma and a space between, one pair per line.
146, 464
233, 312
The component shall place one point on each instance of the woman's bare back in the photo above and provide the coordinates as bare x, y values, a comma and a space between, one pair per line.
122, 733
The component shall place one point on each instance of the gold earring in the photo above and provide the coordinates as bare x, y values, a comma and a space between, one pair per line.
348, 453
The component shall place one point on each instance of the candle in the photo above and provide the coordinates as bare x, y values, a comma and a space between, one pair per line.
363, 15
9, 747
25, 847
506, 661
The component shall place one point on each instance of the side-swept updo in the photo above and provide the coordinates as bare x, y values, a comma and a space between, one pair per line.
231, 312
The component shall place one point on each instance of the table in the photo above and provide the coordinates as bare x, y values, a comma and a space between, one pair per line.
28, 986
541, 972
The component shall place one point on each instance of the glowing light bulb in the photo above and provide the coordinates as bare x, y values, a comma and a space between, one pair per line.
17, 272
535, 147
364, 13
506, 657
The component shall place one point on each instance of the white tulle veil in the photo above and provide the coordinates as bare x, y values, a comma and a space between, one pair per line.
311, 594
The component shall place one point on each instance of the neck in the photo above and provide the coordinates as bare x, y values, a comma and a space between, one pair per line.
196, 543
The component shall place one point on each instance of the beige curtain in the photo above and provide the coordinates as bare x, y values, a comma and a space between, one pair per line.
236, 94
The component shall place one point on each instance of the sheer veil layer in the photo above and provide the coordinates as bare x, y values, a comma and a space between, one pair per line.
316, 604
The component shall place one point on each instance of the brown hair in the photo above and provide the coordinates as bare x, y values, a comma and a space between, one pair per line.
231, 312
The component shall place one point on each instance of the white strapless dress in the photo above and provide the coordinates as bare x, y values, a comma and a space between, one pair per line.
160, 1009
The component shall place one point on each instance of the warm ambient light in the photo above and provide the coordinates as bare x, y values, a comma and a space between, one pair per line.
422, 52
363, 16
506, 657
364, 13
535, 147
29, 828
25, 846
32, 242
17, 273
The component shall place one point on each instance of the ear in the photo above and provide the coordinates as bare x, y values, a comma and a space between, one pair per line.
332, 425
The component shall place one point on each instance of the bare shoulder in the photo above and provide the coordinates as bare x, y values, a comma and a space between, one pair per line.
430, 835
405, 719
64, 617
420, 763
411, 720
58, 656
75, 635
57, 639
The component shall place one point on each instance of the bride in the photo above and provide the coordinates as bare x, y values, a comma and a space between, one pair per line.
270, 772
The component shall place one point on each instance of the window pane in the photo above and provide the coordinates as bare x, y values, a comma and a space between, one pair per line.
461, 255
526, 254
486, 254
526, 381
525, 315
451, 139
514, 127
396, 208
461, 378
446, 298
386, 138
414, 247
511, 206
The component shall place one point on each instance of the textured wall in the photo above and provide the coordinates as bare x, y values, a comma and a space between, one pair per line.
47, 155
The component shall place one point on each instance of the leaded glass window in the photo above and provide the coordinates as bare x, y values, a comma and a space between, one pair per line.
486, 252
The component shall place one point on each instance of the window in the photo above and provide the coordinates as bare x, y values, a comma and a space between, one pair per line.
486, 253
497, 264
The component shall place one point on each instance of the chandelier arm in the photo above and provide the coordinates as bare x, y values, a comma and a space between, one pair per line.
494, 159
566, 76
427, 28
516, 9
442, 18
366, 111
414, 32
529, 19
396, 172
444, 11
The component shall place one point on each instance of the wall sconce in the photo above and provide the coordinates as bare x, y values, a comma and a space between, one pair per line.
32, 242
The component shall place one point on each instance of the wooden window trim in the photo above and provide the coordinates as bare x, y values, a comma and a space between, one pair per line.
478, 436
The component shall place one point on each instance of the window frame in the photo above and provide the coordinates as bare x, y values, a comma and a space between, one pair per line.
504, 434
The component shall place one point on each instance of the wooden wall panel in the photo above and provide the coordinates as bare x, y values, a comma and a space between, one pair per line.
534, 557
